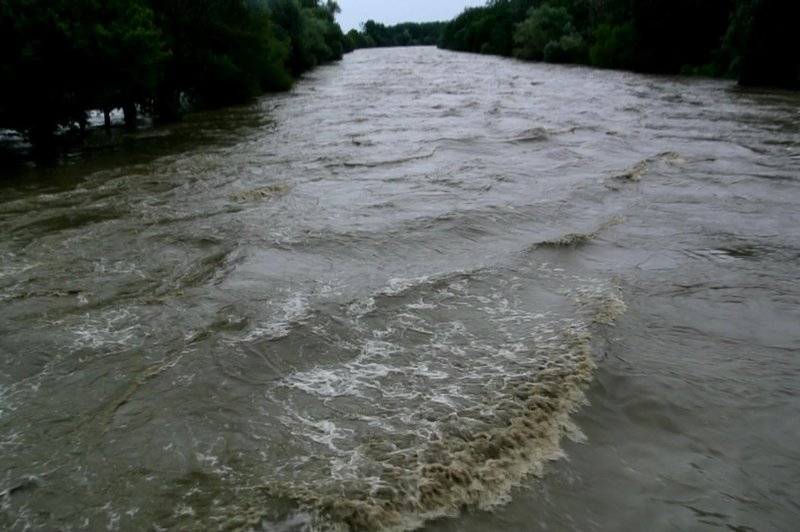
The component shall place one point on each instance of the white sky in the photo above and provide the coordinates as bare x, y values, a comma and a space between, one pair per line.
389, 12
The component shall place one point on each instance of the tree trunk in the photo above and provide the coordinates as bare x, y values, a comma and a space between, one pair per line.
42, 137
129, 110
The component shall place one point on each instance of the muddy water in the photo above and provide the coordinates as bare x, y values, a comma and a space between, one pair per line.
423, 289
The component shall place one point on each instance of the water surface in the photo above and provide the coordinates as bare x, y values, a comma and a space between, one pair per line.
400, 295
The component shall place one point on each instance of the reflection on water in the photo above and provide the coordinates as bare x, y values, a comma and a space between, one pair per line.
395, 296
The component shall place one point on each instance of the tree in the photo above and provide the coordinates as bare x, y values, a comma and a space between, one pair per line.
124, 57
614, 46
762, 44
65, 57
311, 31
668, 36
548, 33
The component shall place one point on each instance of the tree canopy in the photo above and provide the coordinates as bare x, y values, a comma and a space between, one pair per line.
749, 39
374, 34
62, 58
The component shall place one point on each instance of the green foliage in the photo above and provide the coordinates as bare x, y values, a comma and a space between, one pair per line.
548, 33
754, 40
487, 30
374, 34
123, 55
41, 42
61, 58
673, 33
614, 46
762, 45
311, 31
359, 40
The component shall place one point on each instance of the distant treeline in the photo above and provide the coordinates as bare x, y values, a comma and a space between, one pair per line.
62, 58
756, 41
374, 34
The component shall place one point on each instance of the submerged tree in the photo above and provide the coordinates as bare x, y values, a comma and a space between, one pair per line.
124, 58
61, 58
41, 42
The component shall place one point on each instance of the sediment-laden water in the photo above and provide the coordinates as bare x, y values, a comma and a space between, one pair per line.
423, 289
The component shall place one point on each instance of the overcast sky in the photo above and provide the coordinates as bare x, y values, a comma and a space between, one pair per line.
389, 12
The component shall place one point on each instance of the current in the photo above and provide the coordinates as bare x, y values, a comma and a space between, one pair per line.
422, 290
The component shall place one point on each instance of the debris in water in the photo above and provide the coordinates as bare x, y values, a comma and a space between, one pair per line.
267, 192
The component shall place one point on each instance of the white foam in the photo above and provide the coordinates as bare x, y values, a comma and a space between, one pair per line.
118, 267
113, 328
294, 522
604, 302
9, 440
405, 408
184, 510
399, 285
361, 308
16, 270
293, 310
355, 379
421, 305
379, 348
113, 517
324, 432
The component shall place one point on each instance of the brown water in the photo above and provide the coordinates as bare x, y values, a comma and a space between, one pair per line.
423, 289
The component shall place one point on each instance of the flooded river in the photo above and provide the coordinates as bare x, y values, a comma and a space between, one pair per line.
421, 290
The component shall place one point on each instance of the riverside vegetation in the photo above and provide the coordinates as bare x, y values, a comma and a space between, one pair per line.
64, 58
752, 40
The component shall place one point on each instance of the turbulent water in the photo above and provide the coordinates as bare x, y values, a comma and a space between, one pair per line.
399, 296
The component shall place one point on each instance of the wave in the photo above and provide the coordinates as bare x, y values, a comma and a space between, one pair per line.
640, 169
577, 239
45, 222
115, 328
426, 231
634, 173
462, 469
418, 428
605, 305
398, 287
538, 134
530, 135
80, 293
384, 485
389, 162
292, 312
267, 192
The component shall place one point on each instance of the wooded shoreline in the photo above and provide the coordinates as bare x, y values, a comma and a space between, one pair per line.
63, 59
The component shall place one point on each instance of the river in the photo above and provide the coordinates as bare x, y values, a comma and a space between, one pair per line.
421, 290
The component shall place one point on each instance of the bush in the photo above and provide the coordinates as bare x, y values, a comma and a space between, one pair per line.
614, 46
547, 33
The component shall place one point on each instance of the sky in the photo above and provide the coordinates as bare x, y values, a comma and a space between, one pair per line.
389, 12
